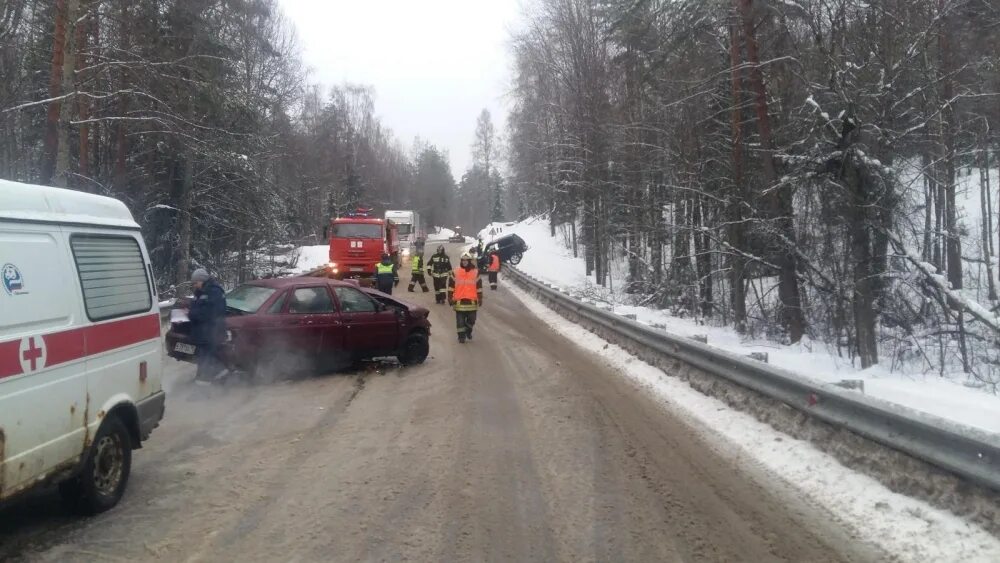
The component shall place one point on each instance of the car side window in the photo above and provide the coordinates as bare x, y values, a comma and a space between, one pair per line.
278, 304
353, 301
312, 300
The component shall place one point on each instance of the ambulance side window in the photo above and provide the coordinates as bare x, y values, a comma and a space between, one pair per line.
112, 274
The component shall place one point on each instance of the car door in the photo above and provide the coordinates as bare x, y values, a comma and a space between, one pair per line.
266, 332
370, 329
506, 246
309, 313
43, 381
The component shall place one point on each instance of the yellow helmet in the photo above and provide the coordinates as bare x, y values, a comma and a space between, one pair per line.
466, 256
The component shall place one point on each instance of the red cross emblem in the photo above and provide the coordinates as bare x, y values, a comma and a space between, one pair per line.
32, 354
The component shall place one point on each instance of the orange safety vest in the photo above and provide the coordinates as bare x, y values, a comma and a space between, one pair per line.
495, 263
465, 285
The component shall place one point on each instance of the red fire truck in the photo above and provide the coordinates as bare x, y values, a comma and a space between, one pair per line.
357, 242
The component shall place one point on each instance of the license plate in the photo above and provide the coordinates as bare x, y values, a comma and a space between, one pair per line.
357, 269
184, 348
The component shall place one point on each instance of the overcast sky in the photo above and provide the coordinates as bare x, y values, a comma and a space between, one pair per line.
434, 64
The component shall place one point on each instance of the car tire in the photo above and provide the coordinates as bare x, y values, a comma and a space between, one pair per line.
515, 259
415, 349
104, 476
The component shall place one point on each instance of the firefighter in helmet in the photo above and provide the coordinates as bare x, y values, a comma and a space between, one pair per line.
386, 275
465, 294
439, 268
417, 272
493, 268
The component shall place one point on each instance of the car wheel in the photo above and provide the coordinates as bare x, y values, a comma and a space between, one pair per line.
415, 350
515, 259
102, 481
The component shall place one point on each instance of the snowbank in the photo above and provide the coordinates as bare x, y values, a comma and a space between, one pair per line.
442, 235
549, 259
310, 258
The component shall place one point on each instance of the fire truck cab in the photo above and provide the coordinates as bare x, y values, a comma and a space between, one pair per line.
357, 242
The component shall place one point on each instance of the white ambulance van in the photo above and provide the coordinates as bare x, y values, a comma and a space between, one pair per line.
80, 361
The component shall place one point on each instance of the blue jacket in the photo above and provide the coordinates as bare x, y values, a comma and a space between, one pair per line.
208, 315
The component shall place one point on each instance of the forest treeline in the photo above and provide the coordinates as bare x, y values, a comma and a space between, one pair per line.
810, 170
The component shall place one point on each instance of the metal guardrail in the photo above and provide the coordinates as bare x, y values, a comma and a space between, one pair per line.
968, 452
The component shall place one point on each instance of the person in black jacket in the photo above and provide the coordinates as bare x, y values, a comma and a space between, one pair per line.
439, 268
207, 314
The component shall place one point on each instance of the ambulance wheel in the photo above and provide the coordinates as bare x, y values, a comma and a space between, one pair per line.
515, 259
415, 350
102, 481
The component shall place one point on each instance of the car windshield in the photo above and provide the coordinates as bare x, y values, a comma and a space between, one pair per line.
248, 298
357, 230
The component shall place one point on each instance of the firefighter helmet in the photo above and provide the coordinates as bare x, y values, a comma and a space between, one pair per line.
466, 256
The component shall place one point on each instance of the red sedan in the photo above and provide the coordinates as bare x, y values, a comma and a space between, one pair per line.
292, 324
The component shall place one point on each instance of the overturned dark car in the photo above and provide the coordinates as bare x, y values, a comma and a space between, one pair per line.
306, 323
511, 249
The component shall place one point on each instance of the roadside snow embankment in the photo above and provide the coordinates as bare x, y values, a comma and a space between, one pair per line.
442, 235
551, 260
310, 258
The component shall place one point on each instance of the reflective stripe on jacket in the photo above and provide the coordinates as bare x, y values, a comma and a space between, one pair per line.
440, 265
466, 285
386, 270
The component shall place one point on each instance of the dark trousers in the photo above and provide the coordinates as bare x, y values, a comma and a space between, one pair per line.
465, 320
418, 278
209, 364
440, 289
494, 276
384, 284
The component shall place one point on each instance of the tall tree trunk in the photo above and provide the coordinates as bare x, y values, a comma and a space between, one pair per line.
186, 204
987, 223
589, 234
600, 252
120, 176
953, 240
792, 317
863, 299
939, 214
55, 90
703, 261
62, 170
929, 201
84, 106
737, 226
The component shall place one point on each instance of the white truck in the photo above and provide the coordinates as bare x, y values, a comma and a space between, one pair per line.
411, 230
